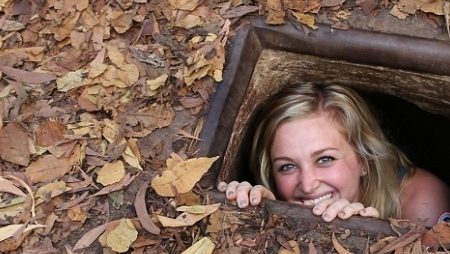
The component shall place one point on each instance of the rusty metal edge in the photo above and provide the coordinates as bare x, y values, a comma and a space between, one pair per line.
359, 46
238, 70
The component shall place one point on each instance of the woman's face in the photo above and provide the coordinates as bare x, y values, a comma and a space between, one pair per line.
311, 160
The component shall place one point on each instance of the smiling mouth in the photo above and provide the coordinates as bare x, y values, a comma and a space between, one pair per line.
313, 202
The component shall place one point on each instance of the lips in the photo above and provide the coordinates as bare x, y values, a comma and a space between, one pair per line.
315, 201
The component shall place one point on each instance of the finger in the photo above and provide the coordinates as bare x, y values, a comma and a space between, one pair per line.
258, 192
231, 190
349, 210
369, 212
320, 207
332, 210
222, 186
242, 194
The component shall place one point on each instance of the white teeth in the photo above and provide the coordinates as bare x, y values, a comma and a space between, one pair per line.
316, 200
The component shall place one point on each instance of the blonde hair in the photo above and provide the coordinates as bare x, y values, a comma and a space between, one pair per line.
380, 187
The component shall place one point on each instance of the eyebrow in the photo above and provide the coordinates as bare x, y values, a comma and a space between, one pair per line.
322, 151
316, 153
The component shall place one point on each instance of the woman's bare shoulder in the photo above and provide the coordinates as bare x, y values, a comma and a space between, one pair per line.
424, 196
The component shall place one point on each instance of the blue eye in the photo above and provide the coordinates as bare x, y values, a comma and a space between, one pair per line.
286, 167
325, 160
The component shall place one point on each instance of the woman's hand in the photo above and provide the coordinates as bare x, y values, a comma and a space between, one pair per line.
329, 209
244, 193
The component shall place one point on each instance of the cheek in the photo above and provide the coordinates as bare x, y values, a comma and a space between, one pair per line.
285, 186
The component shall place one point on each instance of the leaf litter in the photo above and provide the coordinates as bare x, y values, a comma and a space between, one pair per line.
101, 103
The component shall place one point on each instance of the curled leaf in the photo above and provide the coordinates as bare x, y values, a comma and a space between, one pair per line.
182, 177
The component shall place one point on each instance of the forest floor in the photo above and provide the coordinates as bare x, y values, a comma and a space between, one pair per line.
101, 107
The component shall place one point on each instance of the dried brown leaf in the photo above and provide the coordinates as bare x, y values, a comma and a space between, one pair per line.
294, 248
311, 248
339, 248
239, 11
187, 5
202, 246
89, 237
438, 234
116, 186
306, 19
187, 219
8, 186
61, 32
14, 144
141, 210
276, 12
27, 76
111, 173
50, 133
121, 237
48, 167
31, 54
182, 178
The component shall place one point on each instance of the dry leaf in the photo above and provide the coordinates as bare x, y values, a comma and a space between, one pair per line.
182, 178
435, 7
295, 249
66, 27
438, 234
71, 80
50, 190
50, 133
131, 158
202, 246
141, 211
8, 231
27, 76
187, 5
188, 198
189, 21
13, 209
121, 21
116, 186
187, 219
14, 144
397, 13
276, 13
10, 25
111, 173
239, 11
305, 19
338, 246
31, 54
194, 209
311, 248
331, 3
77, 214
155, 84
8, 186
120, 238
89, 237
48, 168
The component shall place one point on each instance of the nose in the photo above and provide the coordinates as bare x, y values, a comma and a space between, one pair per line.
308, 181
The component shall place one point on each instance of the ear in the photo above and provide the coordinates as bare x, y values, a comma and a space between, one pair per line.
364, 172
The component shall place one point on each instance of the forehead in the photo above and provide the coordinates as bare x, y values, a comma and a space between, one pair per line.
316, 130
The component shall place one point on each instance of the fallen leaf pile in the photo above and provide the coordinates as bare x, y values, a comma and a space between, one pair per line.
101, 106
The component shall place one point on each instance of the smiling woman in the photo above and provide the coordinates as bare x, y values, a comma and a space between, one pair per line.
320, 145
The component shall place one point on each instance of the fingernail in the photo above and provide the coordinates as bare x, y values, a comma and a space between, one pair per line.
253, 200
316, 210
230, 193
342, 213
326, 216
242, 203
